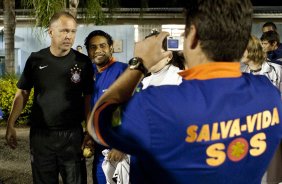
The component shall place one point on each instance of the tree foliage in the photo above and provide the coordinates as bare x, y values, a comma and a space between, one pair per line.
94, 12
90, 10
43, 10
8, 89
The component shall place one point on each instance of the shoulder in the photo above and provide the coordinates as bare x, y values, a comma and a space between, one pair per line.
117, 65
41, 53
258, 81
81, 57
120, 64
272, 67
79, 54
275, 65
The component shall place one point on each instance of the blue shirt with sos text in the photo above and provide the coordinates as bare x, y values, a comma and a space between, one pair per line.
218, 126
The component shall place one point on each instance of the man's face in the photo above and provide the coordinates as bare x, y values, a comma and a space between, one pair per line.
267, 28
267, 46
99, 50
62, 33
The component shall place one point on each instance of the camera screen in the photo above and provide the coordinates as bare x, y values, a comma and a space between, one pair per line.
172, 43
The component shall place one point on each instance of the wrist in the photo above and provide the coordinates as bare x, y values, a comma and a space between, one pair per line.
136, 63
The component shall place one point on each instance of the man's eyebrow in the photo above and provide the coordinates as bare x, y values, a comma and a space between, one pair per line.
98, 44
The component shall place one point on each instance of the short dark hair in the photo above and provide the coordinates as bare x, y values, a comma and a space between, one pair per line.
223, 26
98, 33
57, 15
270, 24
271, 37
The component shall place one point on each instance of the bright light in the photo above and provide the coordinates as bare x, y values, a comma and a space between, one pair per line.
173, 29
136, 34
1, 28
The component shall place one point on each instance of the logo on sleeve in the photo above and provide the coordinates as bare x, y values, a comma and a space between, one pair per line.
75, 74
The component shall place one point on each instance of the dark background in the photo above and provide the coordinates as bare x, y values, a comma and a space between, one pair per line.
161, 3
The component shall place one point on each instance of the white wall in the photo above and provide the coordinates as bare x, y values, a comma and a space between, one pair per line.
257, 29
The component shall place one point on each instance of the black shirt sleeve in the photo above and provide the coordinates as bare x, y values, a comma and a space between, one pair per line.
26, 81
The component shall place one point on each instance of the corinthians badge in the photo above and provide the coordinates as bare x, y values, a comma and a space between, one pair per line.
75, 74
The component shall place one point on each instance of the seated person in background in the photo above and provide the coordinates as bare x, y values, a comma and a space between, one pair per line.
271, 45
269, 26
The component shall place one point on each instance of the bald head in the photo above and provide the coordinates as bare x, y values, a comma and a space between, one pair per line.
62, 31
58, 15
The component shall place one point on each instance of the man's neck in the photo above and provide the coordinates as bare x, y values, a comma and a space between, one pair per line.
102, 67
58, 53
200, 59
99, 67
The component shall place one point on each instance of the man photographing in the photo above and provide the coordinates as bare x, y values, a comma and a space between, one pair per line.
216, 127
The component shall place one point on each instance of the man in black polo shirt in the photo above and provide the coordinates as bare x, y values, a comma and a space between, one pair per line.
62, 79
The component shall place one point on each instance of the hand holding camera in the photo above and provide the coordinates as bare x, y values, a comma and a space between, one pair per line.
151, 52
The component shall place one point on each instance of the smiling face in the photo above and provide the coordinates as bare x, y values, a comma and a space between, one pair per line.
100, 52
62, 33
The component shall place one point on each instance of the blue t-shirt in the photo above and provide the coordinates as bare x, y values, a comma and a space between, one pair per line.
103, 80
216, 131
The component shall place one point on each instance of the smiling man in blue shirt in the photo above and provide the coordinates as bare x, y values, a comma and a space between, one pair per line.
99, 45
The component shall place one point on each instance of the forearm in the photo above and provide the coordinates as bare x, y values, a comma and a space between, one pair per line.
19, 103
122, 89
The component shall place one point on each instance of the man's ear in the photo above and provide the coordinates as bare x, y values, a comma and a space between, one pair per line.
112, 49
50, 32
193, 38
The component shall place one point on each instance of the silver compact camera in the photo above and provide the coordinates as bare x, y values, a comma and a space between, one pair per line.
174, 43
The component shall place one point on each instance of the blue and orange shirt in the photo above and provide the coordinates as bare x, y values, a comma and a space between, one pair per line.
217, 126
104, 77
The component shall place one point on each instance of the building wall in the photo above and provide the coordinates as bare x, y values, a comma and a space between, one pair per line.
257, 29
28, 39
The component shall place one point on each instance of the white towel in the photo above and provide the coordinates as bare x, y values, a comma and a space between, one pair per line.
116, 172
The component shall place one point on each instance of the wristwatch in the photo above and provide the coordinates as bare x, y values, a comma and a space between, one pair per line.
136, 64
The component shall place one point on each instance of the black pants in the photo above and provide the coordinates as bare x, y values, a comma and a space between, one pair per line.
57, 152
